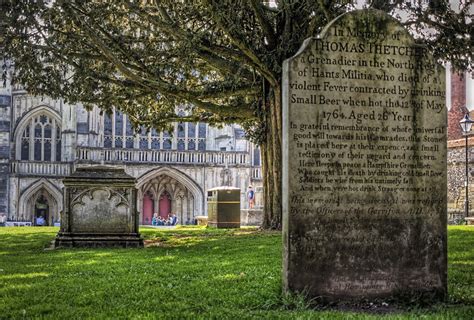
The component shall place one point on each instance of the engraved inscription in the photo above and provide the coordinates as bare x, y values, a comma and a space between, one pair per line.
365, 164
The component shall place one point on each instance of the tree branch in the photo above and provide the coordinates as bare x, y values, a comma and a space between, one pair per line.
160, 85
254, 59
206, 50
266, 25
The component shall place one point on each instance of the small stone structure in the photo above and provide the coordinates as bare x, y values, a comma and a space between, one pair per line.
364, 164
251, 217
100, 209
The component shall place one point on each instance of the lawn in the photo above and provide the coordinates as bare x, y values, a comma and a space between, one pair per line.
186, 273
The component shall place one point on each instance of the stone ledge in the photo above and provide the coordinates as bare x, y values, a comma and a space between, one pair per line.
251, 217
461, 142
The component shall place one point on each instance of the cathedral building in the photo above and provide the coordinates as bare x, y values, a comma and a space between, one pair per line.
42, 140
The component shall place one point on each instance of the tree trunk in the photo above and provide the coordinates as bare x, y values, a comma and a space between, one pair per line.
272, 160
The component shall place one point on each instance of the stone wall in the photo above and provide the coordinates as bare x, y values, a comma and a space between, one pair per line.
82, 128
196, 179
456, 166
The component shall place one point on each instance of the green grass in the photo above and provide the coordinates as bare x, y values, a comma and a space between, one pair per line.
186, 273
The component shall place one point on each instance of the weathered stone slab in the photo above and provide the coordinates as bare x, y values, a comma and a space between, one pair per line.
251, 217
100, 209
364, 164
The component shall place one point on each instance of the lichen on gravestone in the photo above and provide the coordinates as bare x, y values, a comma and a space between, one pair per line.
364, 164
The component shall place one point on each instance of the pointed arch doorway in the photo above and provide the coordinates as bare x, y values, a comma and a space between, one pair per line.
183, 195
164, 204
42, 210
39, 196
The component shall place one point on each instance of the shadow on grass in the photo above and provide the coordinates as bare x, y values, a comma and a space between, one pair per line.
184, 273
190, 276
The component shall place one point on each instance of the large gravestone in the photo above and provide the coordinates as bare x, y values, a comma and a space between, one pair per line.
364, 164
100, 209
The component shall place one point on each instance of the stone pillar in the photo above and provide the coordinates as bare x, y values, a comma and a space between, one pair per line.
191, 207
179, 209
174, 203
68, 127
5, 111
186, 214
95, 120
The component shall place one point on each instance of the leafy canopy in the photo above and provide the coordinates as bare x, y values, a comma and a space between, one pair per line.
214, 57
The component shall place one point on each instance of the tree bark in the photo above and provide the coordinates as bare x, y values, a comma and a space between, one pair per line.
272, 160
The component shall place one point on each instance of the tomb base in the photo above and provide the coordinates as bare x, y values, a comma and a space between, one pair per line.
97, 240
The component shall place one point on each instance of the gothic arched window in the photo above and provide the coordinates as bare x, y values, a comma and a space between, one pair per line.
108, 131
118, 143
41, 139
202, 133
256, 157
119, 133
167, 144
155, 143
181, 145
191, 136
181, 131
202, 145
107, 124
191, 129
143, 143
58, 144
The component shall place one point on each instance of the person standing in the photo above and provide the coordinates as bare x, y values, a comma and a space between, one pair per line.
251, 197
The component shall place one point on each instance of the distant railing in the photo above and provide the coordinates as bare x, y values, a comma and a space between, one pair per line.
41, 168
162, 156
